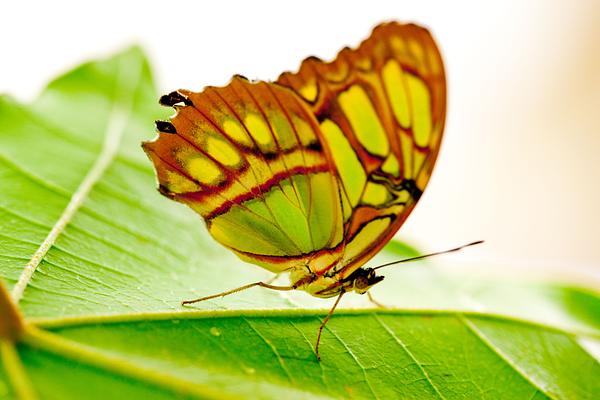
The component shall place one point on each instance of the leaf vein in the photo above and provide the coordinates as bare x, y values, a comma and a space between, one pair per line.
273, 349
481, 336
410, 354
356, 361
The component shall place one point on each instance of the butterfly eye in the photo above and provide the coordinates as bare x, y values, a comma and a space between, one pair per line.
361, 282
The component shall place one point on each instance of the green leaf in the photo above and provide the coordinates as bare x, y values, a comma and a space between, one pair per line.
97, 263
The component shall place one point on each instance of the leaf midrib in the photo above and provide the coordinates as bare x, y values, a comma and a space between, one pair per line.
115, 127
96, 319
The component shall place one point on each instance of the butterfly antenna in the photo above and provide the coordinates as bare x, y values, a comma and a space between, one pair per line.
429, 255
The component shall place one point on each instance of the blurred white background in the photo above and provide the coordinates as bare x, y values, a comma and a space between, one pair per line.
519, 166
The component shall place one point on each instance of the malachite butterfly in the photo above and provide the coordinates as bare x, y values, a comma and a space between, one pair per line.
314, 173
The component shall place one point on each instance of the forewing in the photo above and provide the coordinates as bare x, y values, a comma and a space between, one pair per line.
381, 109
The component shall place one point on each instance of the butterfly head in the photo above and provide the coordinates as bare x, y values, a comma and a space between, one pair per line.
362, 280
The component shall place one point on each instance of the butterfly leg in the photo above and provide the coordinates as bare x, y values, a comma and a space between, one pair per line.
372, 300
325, 322
222, 294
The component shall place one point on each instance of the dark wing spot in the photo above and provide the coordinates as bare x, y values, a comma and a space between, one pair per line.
169, 100
270, 155
411, 187
165, 126
321, 115
315, 146
165, 192
242, 77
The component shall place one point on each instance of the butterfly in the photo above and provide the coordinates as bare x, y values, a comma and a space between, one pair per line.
314, 173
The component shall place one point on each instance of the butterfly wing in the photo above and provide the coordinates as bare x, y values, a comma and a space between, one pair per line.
381, 109
321, 167
249, 159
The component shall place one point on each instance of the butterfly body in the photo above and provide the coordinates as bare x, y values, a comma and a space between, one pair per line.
332, 283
